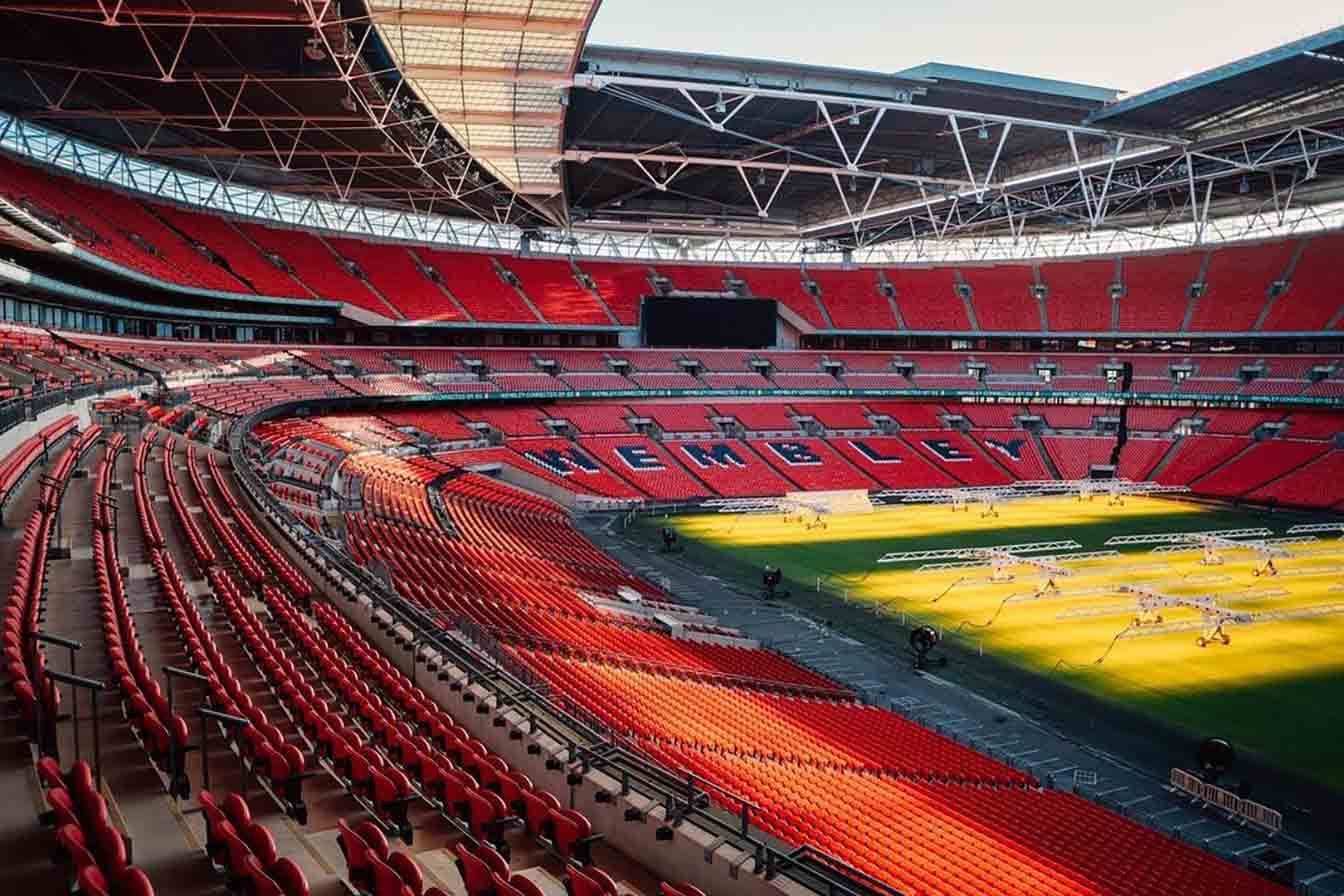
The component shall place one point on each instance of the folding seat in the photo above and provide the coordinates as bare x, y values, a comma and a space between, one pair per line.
457, 787
238, 854
384, 879
260, 841
259, 882
589, 882
391, 795
289, 877
74, 849
538, 806
216, 823
516, 886
512, 787
477, 875
49, 773
487, 816
411, 877
573, 837
91, 882
362, 763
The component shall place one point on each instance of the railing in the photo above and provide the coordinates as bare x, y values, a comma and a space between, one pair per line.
17, 410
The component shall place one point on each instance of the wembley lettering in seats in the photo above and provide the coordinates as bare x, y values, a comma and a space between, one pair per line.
946, 450
1011, 448
795, 454
872, 454
712, 454
639, 457
563, 463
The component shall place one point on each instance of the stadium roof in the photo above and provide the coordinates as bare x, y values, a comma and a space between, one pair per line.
498, 111
1296, 77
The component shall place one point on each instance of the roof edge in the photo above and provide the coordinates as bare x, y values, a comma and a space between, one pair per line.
1222, 72
941, 71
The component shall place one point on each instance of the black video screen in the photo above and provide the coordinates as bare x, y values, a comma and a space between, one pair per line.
707, 323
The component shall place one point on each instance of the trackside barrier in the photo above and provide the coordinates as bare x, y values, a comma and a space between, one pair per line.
1220, 798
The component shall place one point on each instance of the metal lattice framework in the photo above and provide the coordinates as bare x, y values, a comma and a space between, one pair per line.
328, 114
980, 171
1308, 528
980, 553
1212, 626
1029, 488
1224, 535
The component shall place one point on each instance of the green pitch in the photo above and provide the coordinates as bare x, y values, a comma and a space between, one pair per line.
1277, 688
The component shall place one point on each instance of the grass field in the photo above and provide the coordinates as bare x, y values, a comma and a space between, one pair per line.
1277, 689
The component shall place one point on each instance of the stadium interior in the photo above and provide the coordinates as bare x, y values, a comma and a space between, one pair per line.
441, 456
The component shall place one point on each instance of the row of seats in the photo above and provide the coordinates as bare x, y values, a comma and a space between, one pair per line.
279, 565
88, 844
14, 467
245, 850
1153, 372
275, 764
413, 751
25, 660
395, 281
733, 718
162, 733
926, 453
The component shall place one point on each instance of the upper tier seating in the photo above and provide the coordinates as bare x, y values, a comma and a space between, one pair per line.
1078, 298
313, 262
75, 208
1002, 298
1312, 301
1156, 291
786, 285
928, 299
1238, 280
477, 285
392, 269
693, 277
621, 287
556, 294
853, 300
254, 270
159, 240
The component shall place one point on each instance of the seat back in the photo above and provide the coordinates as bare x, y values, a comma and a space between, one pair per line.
476, 875
262, 844
289, 876
409, 872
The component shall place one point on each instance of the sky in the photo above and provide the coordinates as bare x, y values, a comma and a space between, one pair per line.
1131, 45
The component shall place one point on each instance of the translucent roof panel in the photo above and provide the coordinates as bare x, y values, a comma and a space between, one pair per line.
495, 72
